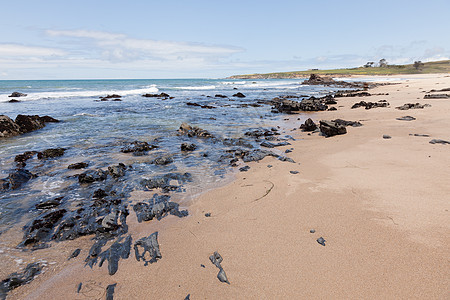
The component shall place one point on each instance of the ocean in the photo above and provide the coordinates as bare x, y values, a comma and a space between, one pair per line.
95, 131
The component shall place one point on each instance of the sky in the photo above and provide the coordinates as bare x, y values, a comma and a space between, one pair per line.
133, 39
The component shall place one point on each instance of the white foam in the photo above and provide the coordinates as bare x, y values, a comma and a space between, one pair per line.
195, 88
81, 94
233, 82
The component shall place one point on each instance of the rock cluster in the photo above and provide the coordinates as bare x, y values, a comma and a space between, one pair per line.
22, 124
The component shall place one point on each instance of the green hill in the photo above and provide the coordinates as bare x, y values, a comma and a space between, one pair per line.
427, 68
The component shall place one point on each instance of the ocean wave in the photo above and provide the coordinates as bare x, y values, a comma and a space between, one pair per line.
81, 94
233, 82
196, 88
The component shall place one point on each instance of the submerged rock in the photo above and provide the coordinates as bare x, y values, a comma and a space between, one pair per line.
193, 131
25, 156
369, 105
17, 279
148, 245
138, 147
80, 165
92, 176
51, 153
17, 95
164, 182
52, 203
16, 179
22, 124
163, 160
239, 95
117, 171
188, 147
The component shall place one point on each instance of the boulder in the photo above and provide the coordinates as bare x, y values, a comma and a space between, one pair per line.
29, 123
309, 125
8, 127
330, 128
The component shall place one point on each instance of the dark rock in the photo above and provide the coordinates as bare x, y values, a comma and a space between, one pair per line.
52, 203
94, 252
76, 166
385, 136
284, 158
352, 94
237, 142
80, 285
193, 104
188, 147
332, 108
406, 118
148, 244
321, 241
162, 95
193, 131
412, 106
188, 297
312, 231
40, 229
113, 254
8, 127
436, 96
117, 171
25, 156
438, 141
370, 105
112, 96
138, 147
14, 101
272, 145
99, 194
74, 254
29, 123
315, 79
163, 160
329, 128
110, 291
117, 100
17, 95
256, 155
417, 134
163, 181
262, 132
14, 280
217, 259
347, 123
294, 172
288, 151
208, 215
48, 119
92, 176
16, 179
239, 95
158, 207
309, 125
220, 96
244, 169
51, 153
269, 166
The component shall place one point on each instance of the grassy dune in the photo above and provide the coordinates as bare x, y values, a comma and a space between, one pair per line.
427, 68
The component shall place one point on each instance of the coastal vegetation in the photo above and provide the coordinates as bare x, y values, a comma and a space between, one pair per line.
381, 68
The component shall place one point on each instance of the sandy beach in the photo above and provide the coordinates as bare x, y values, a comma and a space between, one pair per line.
381, 205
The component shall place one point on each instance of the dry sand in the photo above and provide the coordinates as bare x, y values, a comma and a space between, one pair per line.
382, 205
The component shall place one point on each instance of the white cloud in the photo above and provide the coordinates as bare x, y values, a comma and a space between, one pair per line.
14, 50
119, 47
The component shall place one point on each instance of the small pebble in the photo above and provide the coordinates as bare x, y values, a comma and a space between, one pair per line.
321, 241
385, 136
312, 231
208, 215
269, 166
202, 265
293, 172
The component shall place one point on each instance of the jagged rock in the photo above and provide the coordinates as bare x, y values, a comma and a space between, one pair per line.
369, 105
239, 95
193, 131
76, 166
138, 147
52, 203
17, 279
347, 123
329, 128
438, 141
321, 241
17, 95
117, 171
260, 132
163, 160
406, 118
51, 153
164, 183
29, 123
8, 127
244, 169
188, 147
158, 207
112, 255
40, 229
309, 125
237, 142
149, 245
412, 106
92, 176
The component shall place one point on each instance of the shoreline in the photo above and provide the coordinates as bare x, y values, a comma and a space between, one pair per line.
358, 191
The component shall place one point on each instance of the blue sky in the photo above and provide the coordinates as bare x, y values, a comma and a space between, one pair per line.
209, 39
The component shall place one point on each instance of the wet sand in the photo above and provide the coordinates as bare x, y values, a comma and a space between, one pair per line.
382, 205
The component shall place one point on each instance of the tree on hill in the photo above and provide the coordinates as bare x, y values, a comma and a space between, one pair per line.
382, 63
369, 64
418, 65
